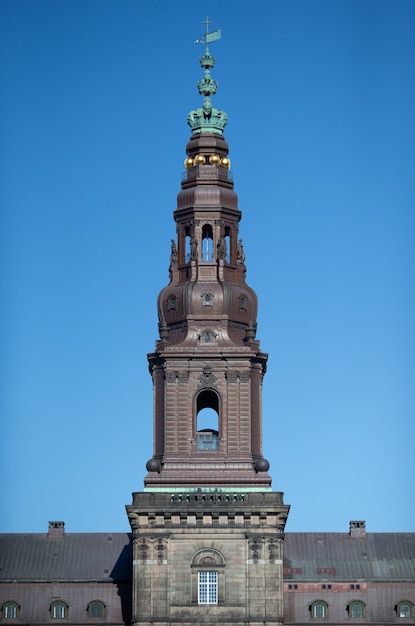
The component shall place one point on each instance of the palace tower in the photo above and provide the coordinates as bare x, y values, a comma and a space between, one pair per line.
207, 529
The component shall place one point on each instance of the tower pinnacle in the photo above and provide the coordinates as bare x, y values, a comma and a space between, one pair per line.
207, 119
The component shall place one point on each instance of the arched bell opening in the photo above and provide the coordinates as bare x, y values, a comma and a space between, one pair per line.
228, 244
187, 239
207, 243
207, 420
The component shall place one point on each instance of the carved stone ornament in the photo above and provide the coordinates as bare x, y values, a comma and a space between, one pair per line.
273, 549
232, 376
207, 298
172, 303
207, 336
243, 303
208, 557
173, 253
207, 378
160, 548
171, 376
207, 560
143, 550
240, 253
255, 546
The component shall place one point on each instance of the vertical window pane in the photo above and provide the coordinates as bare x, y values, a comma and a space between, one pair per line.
404, 610
208, 587
356, 610
58, 610
96, 609
319, 610
10, 611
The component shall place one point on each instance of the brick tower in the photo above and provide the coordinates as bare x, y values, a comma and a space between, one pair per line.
207, 529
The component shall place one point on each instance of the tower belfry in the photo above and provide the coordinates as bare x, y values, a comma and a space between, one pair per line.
208, 529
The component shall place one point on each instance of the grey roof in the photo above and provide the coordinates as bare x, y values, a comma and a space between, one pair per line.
73, 556
108, 557
372, 557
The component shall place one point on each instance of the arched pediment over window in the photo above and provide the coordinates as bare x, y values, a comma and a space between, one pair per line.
208, 557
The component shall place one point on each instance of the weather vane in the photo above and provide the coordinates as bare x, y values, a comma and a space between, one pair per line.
207, 38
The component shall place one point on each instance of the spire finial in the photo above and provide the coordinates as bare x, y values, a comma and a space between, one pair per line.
207, 119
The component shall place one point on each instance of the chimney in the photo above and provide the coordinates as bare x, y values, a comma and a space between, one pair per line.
56, 530
357, 529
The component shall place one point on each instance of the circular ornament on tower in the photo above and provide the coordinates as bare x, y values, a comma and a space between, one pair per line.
153, 465
261, 465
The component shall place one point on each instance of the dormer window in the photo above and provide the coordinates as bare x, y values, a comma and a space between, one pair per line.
404, 609
59, 610
10, 610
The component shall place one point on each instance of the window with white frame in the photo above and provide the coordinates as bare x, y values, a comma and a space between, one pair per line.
318, 610
356, 609
10, 610
404, 609
207, 587
58, 610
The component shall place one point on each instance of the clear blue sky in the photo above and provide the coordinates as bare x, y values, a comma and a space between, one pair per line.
320, 97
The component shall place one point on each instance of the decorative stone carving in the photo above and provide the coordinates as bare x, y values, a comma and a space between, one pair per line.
208, 557
143, 550
193, 249
173, 253
240, 255
207, 298
183, 376
207, 336
243, 303
160, 549
221, 249
244, 376
171, 376
207, 378
273, 549
255, 546
232, 376
172, 303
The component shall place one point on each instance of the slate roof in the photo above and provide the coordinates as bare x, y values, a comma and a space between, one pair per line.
371, 557
103, 557
107, 557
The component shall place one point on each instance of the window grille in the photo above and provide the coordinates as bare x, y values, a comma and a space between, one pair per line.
207, 587
10, 610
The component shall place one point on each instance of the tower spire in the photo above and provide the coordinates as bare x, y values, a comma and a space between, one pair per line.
207, 119
207, 358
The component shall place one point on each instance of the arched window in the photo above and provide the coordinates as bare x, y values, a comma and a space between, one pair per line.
356, 609
187, 244
208, 577
207, 243
96, 609
58, 610
318, 610
10, 610
207, 420
228, 244
404, 609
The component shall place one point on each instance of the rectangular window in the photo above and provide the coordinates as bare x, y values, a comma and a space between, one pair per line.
207, 441
208, 587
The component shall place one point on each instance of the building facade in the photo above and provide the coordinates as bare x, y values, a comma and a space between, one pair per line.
208, 542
